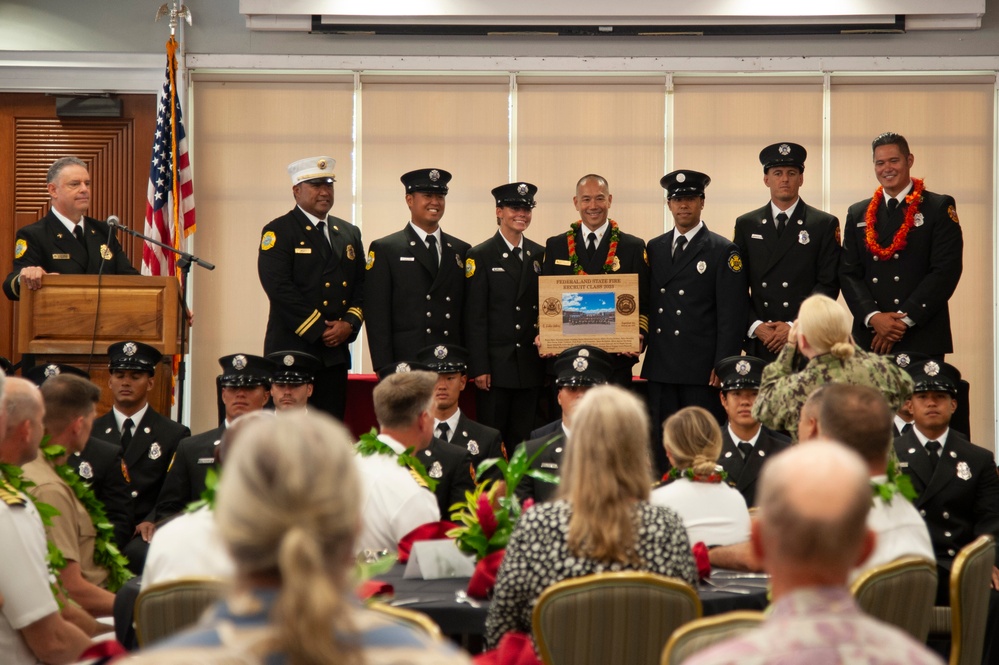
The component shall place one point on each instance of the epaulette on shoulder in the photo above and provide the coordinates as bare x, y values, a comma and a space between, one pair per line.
9, 496
417, 477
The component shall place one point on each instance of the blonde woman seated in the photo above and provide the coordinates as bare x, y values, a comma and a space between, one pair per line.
822, 334
288, 508
601, 519
713, 512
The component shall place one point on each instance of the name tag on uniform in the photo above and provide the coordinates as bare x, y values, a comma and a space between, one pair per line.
756, 236
303, 250
498, 270
860, 224
206, 460
563, 262
549, 465
407, 258
60, 257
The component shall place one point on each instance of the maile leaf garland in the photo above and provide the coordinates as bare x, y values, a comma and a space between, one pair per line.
368, 445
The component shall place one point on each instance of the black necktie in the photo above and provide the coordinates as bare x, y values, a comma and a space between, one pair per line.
591, 244
327, 247
678, 248
932, 449
432, 246
78, 234
442, 431
745, 448
126, 433
781, 223
892, 205
516, 254
906, 427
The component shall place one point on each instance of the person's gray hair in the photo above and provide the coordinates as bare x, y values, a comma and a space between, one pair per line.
61, 163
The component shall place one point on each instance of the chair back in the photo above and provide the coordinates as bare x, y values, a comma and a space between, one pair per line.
900, 593
162, 610
708, 631
412, 618
970, 583
621, 617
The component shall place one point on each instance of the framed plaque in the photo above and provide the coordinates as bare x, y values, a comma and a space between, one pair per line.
597, 310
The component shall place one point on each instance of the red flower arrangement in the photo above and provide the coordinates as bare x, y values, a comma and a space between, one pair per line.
898, 243
615, 236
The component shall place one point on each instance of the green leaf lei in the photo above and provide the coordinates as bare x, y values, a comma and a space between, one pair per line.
719, 476
208, 496
896, 483
369, 445
13, 477
106, 553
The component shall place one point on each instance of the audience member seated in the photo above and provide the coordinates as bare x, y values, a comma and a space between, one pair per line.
811, 533
288, 510
32, 629
822, 334
395, 502
576, 370
70, 403
713, 512
859, 417
190, 545
746, 444
602, 520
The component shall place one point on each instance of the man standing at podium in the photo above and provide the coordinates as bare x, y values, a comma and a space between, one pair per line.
65, 240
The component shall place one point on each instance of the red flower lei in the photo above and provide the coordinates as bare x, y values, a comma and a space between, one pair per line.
615, 235
898, 243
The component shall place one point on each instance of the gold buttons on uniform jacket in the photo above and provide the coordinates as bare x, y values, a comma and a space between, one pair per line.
325, 303
345, 283
328, 285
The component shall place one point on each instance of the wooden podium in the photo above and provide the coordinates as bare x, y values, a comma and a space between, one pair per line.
73, 319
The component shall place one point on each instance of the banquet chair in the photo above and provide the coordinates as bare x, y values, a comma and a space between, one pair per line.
615, 617
412, 618
162, 610
900, 593
702, 633
965, 620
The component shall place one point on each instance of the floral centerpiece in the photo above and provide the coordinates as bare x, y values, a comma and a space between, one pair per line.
489, 513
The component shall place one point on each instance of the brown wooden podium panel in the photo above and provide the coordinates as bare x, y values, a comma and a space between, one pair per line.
77, 314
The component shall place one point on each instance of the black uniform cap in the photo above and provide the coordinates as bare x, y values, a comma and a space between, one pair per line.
402, 366
294, 368
39, 373
582, 366
133, 356
515, 195
684, 183
783, 154
930, 374
429, 181
444, 358
740, 372
242, 370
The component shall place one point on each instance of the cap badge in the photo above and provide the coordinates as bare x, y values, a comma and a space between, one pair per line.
701, 267
321, 164
803, 237
239, 362
86, 471
580, 364
584, 353
402, 367
784, 149
473, 447
435, 175
155, 452
681, 177
963, 471
51, 370
288, 360
743, 367
522, 189
440, 352
436, 471
129, 349
902, 360
931, 368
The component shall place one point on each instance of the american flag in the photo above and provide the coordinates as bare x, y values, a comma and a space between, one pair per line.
170, 193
